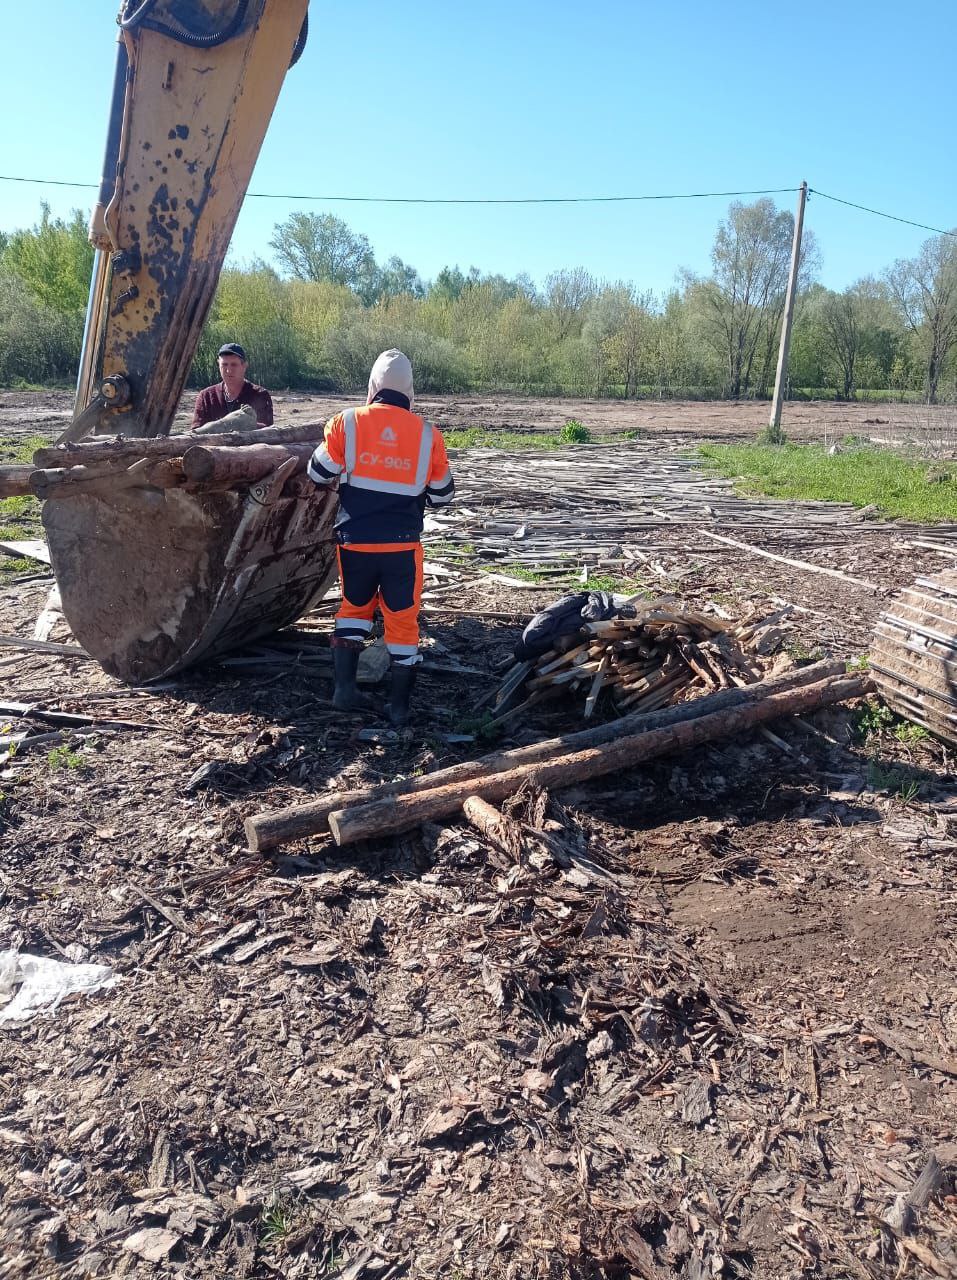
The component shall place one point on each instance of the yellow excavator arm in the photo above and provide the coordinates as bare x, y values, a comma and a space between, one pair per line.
196, 83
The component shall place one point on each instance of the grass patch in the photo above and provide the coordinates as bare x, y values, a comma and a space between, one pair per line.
798, 651
17, 508
901, 487
515, 441
279, 1220
518, 571
872, 719
909, 733
574, 432
64, 758
480, 727
606, 582
894, 778
442, 547
21, 448
12, 566
479, 438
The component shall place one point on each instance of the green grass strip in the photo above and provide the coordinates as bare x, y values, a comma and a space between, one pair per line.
903, 488
511, 441
21, 448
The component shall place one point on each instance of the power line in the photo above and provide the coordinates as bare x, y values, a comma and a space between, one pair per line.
880, 214
529, 200
47, 182
684, 195
278, 195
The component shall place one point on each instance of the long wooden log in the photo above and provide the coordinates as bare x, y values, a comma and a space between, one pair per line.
168, 446
216, 465
70, 482
269, 830
15, 481
399, 813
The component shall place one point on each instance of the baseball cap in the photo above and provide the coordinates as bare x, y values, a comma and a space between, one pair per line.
231, 349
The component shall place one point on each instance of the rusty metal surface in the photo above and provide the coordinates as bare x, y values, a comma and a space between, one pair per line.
193, 124
153, 581
914, 654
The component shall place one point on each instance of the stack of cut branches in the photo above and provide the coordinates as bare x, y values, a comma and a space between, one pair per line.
661, 656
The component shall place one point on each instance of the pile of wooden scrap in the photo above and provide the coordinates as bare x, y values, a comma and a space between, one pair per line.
662, 655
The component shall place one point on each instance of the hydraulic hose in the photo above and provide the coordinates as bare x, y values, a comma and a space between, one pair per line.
140, 17
301, 39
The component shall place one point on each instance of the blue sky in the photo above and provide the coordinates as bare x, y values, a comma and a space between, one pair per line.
534, 99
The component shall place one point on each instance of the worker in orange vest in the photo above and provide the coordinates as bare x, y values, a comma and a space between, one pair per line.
389, 463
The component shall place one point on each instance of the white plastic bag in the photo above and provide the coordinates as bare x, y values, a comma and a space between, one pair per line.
44, 983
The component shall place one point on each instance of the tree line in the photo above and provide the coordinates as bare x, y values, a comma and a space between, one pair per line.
316, 316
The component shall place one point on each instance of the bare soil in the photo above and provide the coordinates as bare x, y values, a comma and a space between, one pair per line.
49, 412
730, 1049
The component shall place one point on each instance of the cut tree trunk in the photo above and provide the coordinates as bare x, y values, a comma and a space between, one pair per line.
269, 830
399, 813
169, 446
15, 481
212, 466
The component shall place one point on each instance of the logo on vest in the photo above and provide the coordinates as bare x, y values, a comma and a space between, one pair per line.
388, 436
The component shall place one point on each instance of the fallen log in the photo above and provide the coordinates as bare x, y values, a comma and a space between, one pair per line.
269, 830
129, 450
15, 481
70, 482
224, 466
399, 813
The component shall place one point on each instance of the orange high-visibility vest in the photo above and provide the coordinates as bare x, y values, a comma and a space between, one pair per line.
385, 450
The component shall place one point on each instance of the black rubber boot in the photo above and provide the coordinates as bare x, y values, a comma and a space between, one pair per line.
345, 663
403, 678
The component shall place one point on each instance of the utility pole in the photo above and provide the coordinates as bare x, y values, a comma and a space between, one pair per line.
775, 434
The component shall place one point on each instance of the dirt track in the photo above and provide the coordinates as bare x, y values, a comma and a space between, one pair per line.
427, 1058
47, 412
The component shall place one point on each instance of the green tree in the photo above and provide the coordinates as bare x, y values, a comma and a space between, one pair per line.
855, 324
38, 344
742, 302
253, 306
925, 289
322, 248
397, 278
568, 294
447, 285
54, 260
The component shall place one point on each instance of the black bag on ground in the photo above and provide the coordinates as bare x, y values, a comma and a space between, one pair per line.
563, 617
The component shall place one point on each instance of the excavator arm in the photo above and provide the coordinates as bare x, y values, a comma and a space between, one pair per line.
195, 87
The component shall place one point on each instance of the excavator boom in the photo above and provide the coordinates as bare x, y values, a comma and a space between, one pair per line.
195, 87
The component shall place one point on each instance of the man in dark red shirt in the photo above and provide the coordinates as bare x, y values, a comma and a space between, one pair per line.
234, 391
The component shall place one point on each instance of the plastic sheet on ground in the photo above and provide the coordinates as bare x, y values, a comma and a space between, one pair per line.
44, 984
